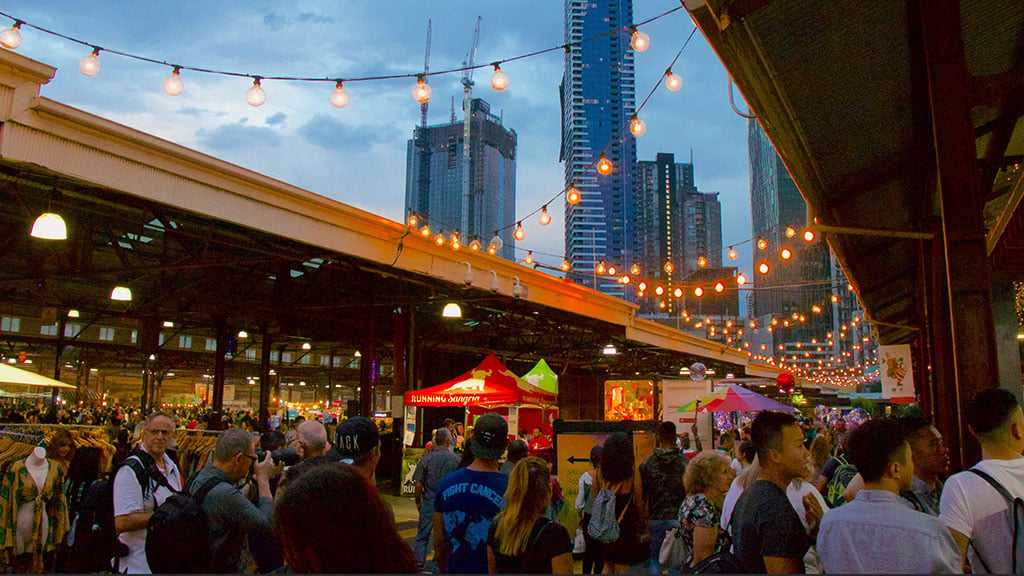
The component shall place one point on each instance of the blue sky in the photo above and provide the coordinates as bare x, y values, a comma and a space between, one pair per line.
357, 155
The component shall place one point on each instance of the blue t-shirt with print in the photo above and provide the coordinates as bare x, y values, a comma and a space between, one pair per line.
468, 501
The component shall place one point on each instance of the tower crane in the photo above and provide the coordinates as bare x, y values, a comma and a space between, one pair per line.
468, 214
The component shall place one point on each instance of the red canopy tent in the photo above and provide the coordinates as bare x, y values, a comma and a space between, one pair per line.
489, 384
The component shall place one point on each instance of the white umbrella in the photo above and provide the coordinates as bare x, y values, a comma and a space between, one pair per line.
11, 375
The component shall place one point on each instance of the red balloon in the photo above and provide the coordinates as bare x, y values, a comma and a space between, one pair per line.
785, 380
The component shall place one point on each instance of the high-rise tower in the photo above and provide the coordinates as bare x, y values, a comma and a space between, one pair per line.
492, 168
598, 99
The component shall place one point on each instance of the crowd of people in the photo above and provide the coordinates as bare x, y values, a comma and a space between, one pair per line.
776, 496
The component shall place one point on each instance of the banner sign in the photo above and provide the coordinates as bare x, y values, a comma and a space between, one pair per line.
897, 373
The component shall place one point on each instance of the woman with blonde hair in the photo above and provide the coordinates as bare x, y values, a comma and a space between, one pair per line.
521, 540
707, 480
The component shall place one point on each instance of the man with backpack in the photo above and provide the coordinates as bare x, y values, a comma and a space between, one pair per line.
837, 475
229, 514
984, 506
147, 478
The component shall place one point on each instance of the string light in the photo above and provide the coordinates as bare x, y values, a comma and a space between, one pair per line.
425, 231
10, 38
474, 245
499, 80
669, 267
496, 244
732, 253
600, 269
786, 254
173, 85
698, 291
637, 126
90, 65
440, 238
565, 265
413, 220
790, 232
421, 91
612, 270
339, 96
544, 219
604, 165
702, 262
660, 290
519, 234
456, 243
255, 96
673, 81
809, 236
741, 279
762, 244
639, 41
719, 287
573, 196
529, 261
763, 267
634, 269
625, 279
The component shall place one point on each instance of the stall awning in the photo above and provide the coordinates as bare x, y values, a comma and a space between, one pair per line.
543, 377
489, 384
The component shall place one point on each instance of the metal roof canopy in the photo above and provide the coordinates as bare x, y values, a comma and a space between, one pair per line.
208, 244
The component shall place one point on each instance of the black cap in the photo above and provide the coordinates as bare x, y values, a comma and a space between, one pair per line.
355, 437
490, 436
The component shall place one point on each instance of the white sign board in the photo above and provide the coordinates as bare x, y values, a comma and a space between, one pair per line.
409, 423
679, 393
897, 373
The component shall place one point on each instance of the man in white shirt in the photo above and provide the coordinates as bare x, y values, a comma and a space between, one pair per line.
973, 509
134, 502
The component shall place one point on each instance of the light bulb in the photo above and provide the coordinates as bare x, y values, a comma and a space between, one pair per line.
673, 81
529, 258
762, 244
640, 41
732, 253
492, 250
573, 196
474, 245
255, 96
702, 262
440, 238
637, 127
339, 96
497, 242
719, 287
659, 290
413, 220
634, 269
49, 226
625, 279
642, 286
764, 268
90, 65
786, 254
11, 37
669, 267
605, 166
612, 270
600, 269
741, 279
809, 236
499, 80
565, 265
544, 217
173, 84
121, 294
425, 230
421, 91
790, 232
519, 234
456, 243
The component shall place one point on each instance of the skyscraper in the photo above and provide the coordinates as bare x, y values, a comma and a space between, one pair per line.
492, 163
598, 99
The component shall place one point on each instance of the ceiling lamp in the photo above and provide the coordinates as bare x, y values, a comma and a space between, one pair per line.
121, 294
609, 350
307, 346
49, 226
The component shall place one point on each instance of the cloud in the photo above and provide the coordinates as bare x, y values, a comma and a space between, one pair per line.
323, 131
237, 135
201, 112
276, 119
275, 21
278, 21
314, 18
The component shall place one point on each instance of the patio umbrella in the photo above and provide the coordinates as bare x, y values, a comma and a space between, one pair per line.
11, 375
734, 399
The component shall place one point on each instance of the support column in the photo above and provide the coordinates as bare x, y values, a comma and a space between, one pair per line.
965, 255
263, 416
368, 368
219, 365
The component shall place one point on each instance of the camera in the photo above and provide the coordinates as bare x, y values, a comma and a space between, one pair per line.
286, 455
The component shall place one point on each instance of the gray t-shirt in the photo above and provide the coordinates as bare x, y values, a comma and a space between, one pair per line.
432, 468
231, 516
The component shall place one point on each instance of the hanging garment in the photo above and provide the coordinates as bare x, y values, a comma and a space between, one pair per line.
17, 489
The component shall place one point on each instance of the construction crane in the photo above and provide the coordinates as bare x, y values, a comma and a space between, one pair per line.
422, 200
468, 215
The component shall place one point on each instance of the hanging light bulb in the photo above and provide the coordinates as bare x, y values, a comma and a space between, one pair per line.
698, 292
499, 80
673, 81
474, 245
339, 96
496, 243
455, 242
612, 270
49, 226
637, 126
719, 287
519, 234
669, 267
790, 232
529, 261
634, 269
440, 238
173, 85
763, 267
600, 269
255, 96
90, 65
678, 293
10, 38
413, 220
762, 244
492, 250
732, 253
565, 265
605, 166
659, 290
786, 254
809, 236
544, 217
639, 41
425, 230
741, 279
573, 196
421, 91
642, 286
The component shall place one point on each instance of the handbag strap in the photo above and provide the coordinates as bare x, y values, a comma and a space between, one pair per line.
1015, 505
626, 507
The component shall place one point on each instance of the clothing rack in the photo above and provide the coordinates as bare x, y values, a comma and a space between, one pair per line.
28, 438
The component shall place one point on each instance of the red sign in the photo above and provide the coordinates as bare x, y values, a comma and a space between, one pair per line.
22, 356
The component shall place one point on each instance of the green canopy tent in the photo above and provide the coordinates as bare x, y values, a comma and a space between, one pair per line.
543, 377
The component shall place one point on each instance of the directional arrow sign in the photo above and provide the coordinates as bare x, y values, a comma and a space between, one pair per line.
573, 459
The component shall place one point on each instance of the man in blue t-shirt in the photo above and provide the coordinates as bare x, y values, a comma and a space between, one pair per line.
468, 499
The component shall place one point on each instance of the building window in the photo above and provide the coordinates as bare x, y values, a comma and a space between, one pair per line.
9, 324
107, 334
72, 330
48, 330
250, 354
184, 341
286, 357
211, 344
274, 355
135, 336
162, 339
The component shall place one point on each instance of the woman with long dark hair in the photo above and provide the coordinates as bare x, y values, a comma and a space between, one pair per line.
88, 467
521, 540
330, 520
631, 552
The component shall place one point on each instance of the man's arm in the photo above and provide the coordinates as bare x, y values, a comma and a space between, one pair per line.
440, 543
778, 565
129, 511
131, 521
961, 542
419, 496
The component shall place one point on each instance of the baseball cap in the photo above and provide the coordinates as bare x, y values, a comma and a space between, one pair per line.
490, 437
356, 437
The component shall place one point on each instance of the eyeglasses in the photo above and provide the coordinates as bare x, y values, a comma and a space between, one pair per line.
158, 432
253, 458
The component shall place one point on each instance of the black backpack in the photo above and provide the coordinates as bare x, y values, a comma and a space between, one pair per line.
178, 534
96, 542
841, 478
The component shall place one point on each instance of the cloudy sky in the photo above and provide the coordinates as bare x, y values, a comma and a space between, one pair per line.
357, 155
